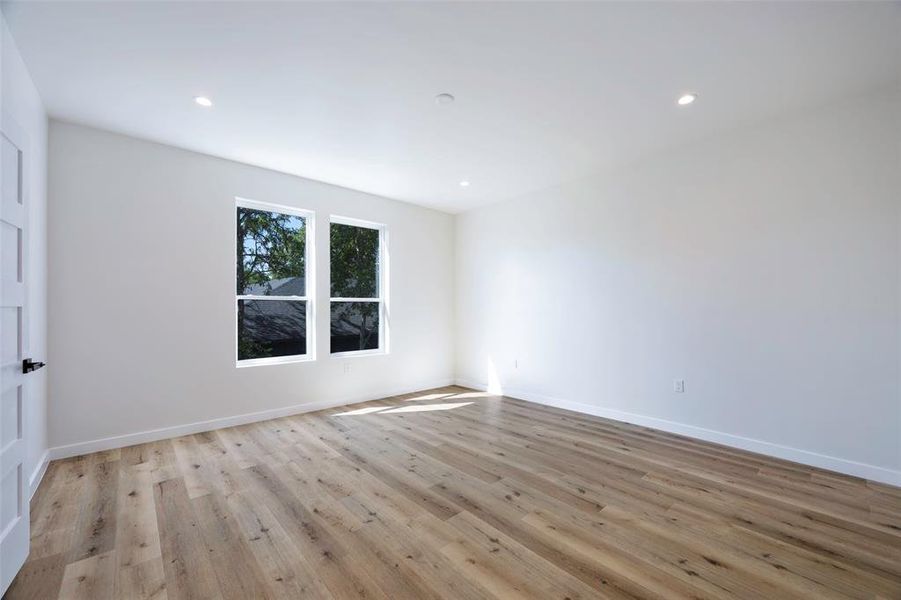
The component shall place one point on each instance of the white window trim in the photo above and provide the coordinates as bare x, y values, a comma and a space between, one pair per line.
384, 313
309, 282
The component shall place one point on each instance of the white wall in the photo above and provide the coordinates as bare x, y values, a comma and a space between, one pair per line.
142, 290
761, 266
21, 102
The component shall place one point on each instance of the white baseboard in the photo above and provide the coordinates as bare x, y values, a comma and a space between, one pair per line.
805, 457
38, 474
153, 435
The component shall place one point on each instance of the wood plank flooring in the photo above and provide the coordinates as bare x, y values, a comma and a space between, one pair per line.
460, 495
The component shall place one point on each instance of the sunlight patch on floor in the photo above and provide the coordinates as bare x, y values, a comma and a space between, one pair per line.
429, 397
361, 411
427, 407
472, 395
382, 410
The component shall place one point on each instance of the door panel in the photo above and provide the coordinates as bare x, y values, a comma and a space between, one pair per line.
11, 416
13, 344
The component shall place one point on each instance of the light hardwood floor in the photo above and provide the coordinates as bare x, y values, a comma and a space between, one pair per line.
454, 494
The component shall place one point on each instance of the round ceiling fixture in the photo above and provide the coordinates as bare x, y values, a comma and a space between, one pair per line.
464, 184
203, 101
686, 99
444, 99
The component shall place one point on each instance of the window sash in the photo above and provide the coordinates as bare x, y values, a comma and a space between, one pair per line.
380, 280
286, 358
382, 339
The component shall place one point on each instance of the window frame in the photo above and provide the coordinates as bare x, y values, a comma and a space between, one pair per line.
382, 298
309, 282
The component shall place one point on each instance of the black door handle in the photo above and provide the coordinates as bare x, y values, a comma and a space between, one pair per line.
28, 365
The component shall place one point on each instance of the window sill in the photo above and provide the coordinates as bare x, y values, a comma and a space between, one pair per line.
378, 352
282, 360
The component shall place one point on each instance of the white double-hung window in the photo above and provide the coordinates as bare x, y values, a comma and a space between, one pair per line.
275, 283
358, 258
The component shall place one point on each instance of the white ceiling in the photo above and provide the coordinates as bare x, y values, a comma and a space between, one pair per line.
546, 92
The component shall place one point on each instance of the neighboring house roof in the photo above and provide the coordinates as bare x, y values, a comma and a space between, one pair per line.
286, 286
274, 320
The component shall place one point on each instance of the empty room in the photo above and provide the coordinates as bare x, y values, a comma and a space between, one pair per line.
455, 300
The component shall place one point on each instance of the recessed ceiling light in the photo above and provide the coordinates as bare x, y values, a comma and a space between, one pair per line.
686, 99
444, 99
464, 184
203, 101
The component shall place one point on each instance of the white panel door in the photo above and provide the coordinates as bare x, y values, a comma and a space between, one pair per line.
13, 345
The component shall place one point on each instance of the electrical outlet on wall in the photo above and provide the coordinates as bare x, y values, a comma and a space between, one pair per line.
347, 367
679, 386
